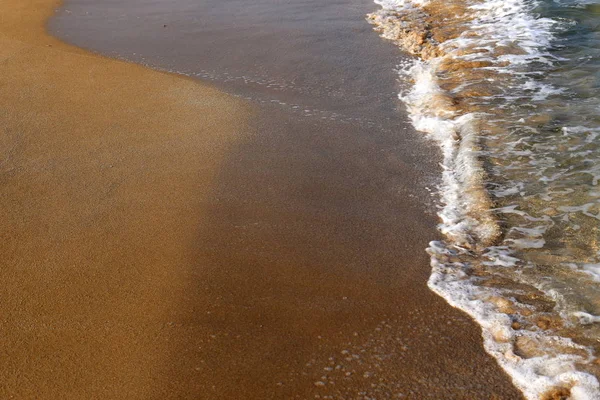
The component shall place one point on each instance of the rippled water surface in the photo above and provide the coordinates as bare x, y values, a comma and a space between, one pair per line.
509, 89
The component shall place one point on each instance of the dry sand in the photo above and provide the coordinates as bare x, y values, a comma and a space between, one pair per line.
147, 253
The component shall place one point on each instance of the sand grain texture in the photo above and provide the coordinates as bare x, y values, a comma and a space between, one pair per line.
156, 244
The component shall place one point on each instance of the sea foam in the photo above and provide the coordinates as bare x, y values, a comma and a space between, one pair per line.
476, 91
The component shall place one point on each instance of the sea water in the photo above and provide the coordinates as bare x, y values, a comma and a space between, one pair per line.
509, 89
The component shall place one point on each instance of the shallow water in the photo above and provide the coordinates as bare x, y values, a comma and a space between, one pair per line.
329, 146
509, 90
317, 59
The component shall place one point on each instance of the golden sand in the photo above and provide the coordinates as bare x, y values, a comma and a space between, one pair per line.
128, 272
102, 161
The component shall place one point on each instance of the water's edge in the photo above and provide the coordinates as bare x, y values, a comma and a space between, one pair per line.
480, 89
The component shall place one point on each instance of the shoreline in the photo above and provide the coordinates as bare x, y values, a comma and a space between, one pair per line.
163, 241
102, 160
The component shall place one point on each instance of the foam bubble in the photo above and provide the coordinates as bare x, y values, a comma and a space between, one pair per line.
478, 92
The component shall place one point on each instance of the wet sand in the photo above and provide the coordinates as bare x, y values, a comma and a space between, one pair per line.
161, 239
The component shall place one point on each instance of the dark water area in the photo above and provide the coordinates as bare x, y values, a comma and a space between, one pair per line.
316, 58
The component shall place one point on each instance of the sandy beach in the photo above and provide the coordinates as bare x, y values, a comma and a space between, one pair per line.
161, 239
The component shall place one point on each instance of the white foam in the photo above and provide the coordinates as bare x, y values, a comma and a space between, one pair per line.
400, 4
540, 91
585, 318
593, 270
584, 209
500, 256
533, 376
497, 23
460, 159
